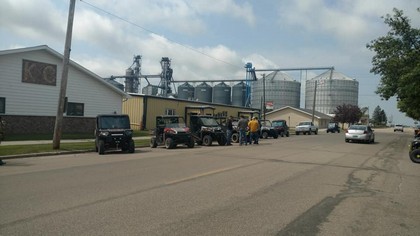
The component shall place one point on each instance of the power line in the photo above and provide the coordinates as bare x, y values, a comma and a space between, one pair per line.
150, 31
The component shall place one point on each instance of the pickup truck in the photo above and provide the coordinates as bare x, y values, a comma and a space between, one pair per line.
306, 127
399, 128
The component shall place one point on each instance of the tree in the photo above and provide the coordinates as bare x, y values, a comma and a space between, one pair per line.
397, 61
347, 113
379, 116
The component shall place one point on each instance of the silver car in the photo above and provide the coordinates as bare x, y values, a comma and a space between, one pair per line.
360, 133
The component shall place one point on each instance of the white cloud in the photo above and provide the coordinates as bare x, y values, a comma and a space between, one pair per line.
32, 19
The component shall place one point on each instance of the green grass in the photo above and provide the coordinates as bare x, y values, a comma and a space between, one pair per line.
45, 148
23, 137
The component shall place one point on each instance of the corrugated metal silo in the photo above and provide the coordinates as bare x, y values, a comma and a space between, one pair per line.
203, 92
239, 94
221, 93
332, 90
150, 90
186, 91
280, 89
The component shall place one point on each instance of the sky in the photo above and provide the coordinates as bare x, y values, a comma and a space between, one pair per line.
212, 40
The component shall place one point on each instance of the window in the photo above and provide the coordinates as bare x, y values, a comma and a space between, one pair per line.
169, 111
2, 105
75, 109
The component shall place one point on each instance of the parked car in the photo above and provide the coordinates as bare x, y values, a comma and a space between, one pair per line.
333, 127
399, 128
306, 127
281, 127
360, 133
171, 131
113, 132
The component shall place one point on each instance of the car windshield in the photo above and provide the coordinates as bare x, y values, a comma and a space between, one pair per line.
278, 123
357, 127
114, 122
305, 123
171, 122
209, 121
331, 125
266, 123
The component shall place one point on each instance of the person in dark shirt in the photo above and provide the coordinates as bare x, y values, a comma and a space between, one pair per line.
229, 131
243, 127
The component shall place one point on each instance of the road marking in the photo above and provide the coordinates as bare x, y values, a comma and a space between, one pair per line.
203, 174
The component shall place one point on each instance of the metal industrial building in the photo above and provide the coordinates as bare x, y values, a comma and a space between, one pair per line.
331, 89
143, 109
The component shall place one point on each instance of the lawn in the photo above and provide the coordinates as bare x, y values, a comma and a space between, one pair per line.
7, 150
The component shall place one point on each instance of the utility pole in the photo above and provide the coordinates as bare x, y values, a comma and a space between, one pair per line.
313, 105
264, 105
64, 78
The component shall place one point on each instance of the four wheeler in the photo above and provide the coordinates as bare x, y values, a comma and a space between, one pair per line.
205, 129
267, 130
281, 127
171, 131
113, 132
414, 152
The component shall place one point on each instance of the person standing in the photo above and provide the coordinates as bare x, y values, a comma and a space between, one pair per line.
242, 127
229, 131
254, 127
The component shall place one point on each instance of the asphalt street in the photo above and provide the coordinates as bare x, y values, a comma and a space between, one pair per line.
300, 185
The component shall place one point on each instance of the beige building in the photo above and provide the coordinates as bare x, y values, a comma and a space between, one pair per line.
143, 109
295, 115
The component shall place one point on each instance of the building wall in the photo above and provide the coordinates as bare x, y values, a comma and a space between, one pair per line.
31, 107
144, 109
42, 100
293, 117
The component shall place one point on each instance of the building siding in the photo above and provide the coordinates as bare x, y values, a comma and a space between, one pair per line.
143, 109
31, 108
42, 100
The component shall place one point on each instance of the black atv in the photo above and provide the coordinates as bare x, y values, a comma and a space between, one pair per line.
205, 129
267, 130
113, 132
171, 131
414, 152
281, 127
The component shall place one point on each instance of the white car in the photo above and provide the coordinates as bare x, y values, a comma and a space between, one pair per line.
398, 128
360, 133
306, 127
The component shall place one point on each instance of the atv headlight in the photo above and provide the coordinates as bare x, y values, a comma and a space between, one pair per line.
208, 129
104, 133
128, 133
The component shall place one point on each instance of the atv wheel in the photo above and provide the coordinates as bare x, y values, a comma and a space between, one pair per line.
169, 143
222, 141
190, 144
207, 140
153, 143
131, 146
101, 147
265, 135
235, 138
415, 156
